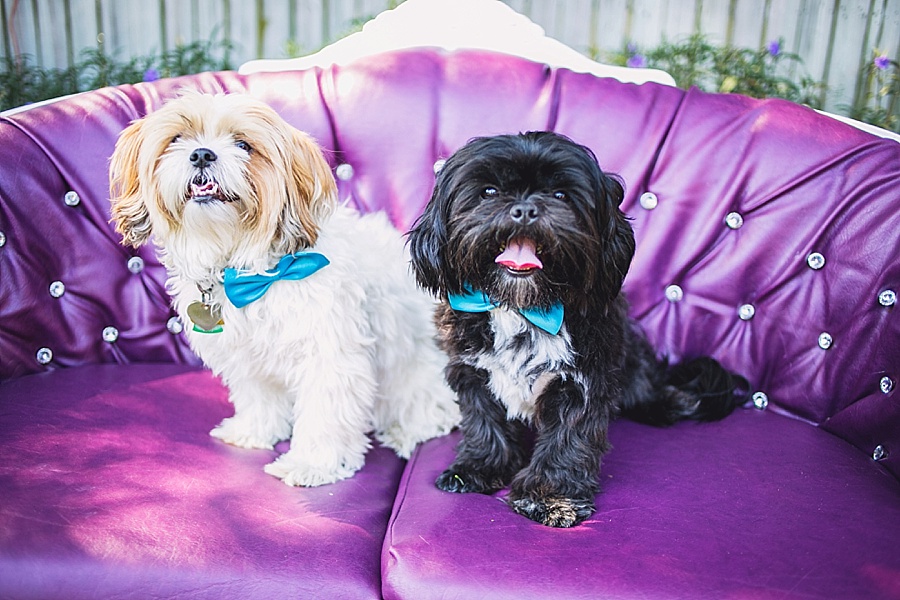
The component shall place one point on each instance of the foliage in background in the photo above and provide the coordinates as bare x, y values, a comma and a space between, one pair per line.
23, 82
769, 72
765, 73
879, 105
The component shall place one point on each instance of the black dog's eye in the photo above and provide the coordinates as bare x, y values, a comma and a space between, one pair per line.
489, 192
560, 195
175, 139
243, 146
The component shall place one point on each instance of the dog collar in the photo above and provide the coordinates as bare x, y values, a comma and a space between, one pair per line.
550, 320
243, 287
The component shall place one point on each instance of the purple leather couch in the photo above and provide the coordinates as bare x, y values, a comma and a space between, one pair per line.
767, 235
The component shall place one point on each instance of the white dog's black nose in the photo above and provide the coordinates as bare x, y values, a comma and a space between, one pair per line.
524, 213
201, 157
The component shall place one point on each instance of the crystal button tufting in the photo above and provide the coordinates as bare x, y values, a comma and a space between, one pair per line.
174, 325
746, 312
344, 171
135, 264
815, 261
57, 289
760, 400
649, 200
110, 334
734, 220
72, 198
44, 355
674, 293
825, 340
887, 298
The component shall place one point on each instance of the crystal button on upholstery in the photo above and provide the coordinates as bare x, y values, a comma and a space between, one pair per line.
135, 264
174, 325
734, 220
44, 356
815, 261
649, 200
674, 293
760, 400
344, 172
72, 198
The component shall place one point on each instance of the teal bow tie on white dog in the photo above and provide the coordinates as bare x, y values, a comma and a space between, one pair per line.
243, 287
550, 320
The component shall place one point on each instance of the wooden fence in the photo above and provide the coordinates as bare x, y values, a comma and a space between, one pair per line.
835, 38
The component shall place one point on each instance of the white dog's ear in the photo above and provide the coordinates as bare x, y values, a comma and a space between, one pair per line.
312, 193
129, 210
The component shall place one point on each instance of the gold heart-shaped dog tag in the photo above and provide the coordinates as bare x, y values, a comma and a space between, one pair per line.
206, 318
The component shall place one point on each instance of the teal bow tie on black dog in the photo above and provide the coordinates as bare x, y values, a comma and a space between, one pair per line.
550, 320
243, 287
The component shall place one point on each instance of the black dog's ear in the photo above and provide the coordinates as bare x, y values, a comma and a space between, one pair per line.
428, 239
617, 234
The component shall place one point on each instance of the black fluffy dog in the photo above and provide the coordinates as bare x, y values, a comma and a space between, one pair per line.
525, 243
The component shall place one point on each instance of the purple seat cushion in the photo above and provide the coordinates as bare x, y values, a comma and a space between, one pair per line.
112, 488
759, 506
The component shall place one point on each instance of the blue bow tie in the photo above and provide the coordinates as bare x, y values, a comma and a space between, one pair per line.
550, 320
243, 287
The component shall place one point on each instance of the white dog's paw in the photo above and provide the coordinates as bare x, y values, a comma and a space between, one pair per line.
298, 472
246, 434
404, 439
399, 440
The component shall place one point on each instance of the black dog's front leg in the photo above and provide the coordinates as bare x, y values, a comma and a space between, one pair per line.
490, 451
558, 486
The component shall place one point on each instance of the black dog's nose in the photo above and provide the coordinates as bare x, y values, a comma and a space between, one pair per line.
524, 213
201, 157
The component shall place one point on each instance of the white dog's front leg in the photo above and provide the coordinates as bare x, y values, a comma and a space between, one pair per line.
329, 440
261, 416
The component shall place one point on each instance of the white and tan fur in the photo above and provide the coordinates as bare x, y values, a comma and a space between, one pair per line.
322, 361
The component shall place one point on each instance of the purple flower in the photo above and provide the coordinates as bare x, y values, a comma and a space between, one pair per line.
774, 47
882, 62
636, 62
151, 75
631, 48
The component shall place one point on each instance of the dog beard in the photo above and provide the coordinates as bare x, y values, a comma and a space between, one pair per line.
531, 222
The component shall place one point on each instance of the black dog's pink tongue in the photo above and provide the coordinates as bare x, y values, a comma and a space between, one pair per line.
519, 255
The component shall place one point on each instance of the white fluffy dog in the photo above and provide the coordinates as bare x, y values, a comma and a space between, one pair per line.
307, 311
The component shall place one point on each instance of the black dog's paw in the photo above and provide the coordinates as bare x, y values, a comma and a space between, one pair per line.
553, 511
464, 481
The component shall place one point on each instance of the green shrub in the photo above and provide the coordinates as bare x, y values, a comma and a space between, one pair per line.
23, 82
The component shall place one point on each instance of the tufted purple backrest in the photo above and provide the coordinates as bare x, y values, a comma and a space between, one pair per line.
767, 234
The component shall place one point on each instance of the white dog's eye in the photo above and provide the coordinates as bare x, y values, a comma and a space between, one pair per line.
489, 192
243, 145
559, 195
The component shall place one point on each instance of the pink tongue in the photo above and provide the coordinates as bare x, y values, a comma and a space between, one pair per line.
519, 255
210, 188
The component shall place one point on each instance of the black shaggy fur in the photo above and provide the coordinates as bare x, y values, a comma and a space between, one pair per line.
605, 367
